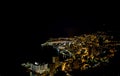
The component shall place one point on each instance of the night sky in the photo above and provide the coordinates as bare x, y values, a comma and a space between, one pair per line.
26, 31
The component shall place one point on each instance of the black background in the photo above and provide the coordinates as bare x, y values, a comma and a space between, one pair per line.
24, 31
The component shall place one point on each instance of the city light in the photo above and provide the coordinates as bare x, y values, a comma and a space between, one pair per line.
81, 53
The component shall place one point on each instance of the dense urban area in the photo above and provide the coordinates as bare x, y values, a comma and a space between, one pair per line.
78, 53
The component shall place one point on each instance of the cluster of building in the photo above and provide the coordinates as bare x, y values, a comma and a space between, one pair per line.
81, 52
37, 69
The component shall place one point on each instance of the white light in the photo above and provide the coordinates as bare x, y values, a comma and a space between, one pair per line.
36, 63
